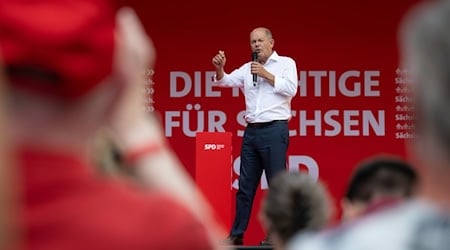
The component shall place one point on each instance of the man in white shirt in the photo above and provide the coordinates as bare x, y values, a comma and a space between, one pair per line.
423, 223
268, 82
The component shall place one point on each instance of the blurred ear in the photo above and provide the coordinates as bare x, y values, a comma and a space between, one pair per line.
414, 148
344, 207
351, 209
265, 222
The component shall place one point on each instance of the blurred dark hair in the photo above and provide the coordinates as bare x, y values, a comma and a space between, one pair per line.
381, 176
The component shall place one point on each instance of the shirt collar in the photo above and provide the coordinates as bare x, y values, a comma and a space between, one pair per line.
274, 57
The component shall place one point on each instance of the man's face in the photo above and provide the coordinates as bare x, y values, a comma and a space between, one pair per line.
262, 44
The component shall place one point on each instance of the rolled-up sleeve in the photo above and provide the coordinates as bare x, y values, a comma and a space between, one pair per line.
287, 83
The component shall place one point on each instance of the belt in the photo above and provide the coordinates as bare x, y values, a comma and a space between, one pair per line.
263, 124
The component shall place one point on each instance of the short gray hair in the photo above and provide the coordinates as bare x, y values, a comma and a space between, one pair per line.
425, 44
296, 203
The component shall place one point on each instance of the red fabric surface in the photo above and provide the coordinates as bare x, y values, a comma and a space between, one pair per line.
67, 207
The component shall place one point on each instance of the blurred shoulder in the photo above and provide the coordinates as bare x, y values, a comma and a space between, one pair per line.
389, 229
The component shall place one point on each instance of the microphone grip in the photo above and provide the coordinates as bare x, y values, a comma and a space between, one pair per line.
255, 59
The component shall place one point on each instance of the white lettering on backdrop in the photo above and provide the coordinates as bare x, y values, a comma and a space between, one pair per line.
331, 122
296, 163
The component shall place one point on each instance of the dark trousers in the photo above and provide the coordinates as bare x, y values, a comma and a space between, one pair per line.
264, 147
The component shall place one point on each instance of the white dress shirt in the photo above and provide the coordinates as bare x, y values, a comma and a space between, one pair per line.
265, 102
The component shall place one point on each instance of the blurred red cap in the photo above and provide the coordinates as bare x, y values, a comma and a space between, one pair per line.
58, 48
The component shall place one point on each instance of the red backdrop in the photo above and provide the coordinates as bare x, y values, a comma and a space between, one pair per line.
349, 104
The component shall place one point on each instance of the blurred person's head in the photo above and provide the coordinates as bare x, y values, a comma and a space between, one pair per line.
425, 53
378, 179
61, 77
62, 62
294, 203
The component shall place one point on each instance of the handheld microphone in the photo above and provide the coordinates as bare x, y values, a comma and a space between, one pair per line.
255, 59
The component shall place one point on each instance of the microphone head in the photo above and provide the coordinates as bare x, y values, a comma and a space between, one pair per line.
255, 59
255, 56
